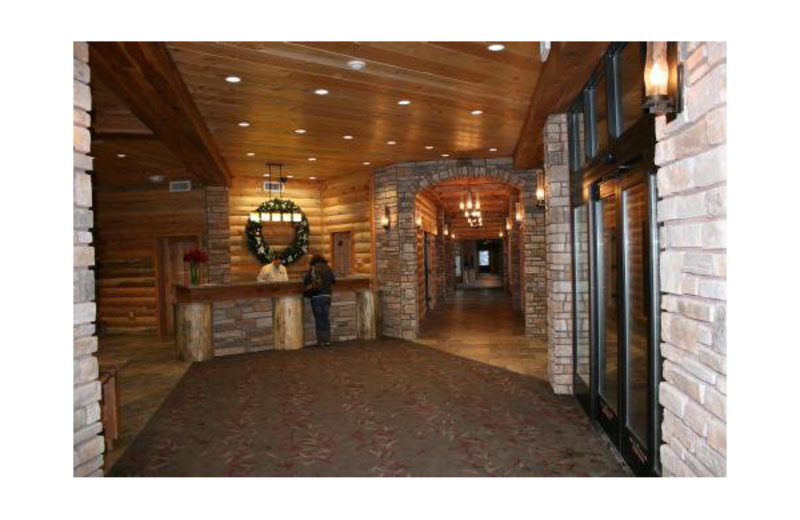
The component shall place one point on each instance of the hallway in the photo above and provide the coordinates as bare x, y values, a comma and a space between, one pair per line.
479, 323
365, 408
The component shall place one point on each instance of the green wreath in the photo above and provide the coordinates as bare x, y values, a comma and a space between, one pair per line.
255, 238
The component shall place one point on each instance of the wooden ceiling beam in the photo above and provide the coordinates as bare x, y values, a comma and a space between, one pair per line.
563, 75
144, 77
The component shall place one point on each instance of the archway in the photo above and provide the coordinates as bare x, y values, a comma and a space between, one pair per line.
396, 189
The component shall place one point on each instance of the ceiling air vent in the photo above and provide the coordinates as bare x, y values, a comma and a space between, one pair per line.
180, 186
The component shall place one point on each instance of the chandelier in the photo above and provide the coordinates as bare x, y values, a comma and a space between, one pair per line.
471, 206
276, 215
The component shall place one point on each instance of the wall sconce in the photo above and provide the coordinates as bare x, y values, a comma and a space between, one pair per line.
518, 212
541, 203
419, 221
509, 225
446, 230
501, 234
663, 79
386, 220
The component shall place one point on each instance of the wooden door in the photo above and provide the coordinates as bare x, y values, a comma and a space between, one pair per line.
171, 271
341, 247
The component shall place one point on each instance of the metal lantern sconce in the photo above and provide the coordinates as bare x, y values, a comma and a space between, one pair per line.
663, 79
518, 212
541, 203
386, 221
418, 221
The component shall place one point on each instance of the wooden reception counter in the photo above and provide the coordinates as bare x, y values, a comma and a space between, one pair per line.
222, 319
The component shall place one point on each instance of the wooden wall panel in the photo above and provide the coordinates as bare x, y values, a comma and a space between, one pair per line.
127, 228
347, 204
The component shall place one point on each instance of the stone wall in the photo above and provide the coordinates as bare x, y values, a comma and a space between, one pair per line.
217, 235
87, 442
559, 251
242, 326
395, 187
245, 325
692, 187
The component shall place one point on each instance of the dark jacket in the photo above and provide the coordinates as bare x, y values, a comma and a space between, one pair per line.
325, 273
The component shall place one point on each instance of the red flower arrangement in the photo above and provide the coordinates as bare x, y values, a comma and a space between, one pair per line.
195, 256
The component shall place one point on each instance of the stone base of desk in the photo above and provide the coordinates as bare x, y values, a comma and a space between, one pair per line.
246, 325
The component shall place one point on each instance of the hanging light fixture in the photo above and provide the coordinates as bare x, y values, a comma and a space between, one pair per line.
663, 79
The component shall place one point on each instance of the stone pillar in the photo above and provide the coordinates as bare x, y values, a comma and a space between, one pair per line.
218, 235
87, 442
559, 255
534, 274
692, 187
387, 249
441, 257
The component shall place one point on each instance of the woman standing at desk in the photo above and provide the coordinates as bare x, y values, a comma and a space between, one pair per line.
319, 281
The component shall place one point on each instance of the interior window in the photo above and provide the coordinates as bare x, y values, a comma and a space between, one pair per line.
601, 114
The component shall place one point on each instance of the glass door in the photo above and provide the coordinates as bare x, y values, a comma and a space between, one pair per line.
625, 318
606, 209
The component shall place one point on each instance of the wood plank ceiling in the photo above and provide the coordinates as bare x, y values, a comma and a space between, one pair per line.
443, 81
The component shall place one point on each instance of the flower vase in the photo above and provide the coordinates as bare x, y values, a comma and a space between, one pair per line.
194, 273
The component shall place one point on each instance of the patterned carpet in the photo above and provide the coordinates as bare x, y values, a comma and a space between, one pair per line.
379, 408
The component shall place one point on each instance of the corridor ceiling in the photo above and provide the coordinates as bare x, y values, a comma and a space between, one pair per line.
301, 104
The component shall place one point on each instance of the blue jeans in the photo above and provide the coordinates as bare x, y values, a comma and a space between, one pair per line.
321, 307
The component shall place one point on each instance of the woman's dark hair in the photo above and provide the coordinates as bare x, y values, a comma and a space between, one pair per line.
317, 259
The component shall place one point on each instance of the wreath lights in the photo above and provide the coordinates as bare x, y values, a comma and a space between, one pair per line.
282, 208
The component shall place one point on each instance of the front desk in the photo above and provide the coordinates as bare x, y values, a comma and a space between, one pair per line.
223, 319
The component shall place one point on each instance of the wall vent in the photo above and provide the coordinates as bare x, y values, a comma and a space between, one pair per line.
273, 186
180, 186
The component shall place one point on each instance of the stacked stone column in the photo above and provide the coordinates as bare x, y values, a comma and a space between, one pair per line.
88, 444
692, 186
559, 251
218, 235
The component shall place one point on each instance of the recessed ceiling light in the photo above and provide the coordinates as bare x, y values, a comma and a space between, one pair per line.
356, 64
121, 155
300, 131
476, 112
321, 92
250, 154
391, 143
348, 137
366, 163
312, 159
156, 178
290, 176
404, 102
244, 123
312, 178
429, 147
445, 155
492, 149
233, 79
266, 175
496, 47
